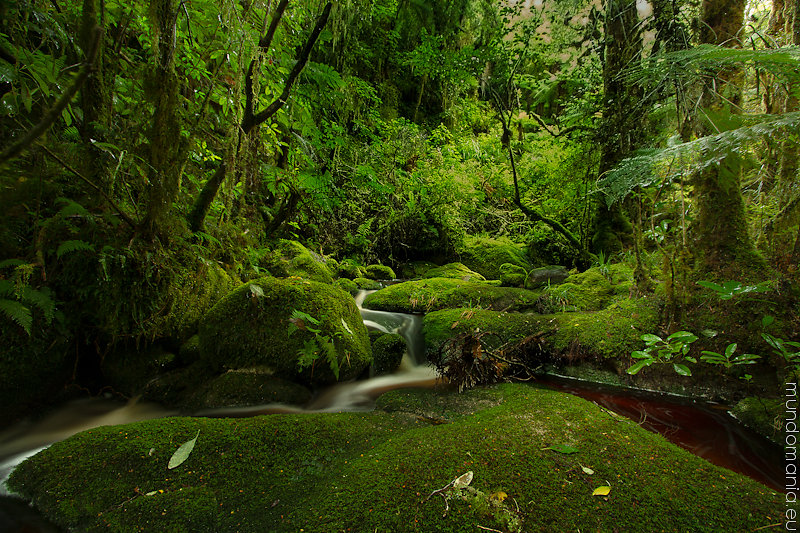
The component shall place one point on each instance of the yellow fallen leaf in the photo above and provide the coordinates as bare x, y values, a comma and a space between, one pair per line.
499, 496
603, 490
463, 480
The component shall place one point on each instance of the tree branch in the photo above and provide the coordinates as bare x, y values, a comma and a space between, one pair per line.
264, 43
52, 115
250, 122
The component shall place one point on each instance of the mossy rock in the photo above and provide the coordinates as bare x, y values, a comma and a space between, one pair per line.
545, 276
454, 271
763, 415
499, 327
416, 269
129, 370
250, 327
379, 272
486, 255
190, 350
347, 285
387, 353
365, 284
249, 386
512, 275
613, 332
585, 291
372, 471
443, 293
292, 259
350, 270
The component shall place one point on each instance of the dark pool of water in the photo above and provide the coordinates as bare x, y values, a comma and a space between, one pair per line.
707, 430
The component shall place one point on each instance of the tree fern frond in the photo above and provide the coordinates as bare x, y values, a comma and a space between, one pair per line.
666, 164
75, 245
18, 313
687, 66
42, 300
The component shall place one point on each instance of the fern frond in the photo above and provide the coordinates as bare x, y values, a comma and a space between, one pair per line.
666, 164
42, 300
693, 64
18, 313
6, 287
72, 208
330, 354
11, 263
74, 245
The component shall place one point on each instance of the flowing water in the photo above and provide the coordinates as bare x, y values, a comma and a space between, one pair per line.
707, 432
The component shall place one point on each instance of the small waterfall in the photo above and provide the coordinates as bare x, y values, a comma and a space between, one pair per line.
407, 326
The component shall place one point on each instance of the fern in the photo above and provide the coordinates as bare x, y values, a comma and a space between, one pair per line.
74, 245
42, 300
71, 209
18, 313
666, 164
330, 354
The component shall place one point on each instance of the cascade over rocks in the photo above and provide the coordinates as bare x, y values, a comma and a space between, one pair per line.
250, 327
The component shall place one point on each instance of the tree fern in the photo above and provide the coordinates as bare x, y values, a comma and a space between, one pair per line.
18, 313
665, 164
74, 245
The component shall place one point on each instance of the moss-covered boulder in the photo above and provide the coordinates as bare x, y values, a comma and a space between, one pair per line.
387, 353
454, 271
129, 370
486, 255
347, 285
373, 471
379, 272
250, 327
442, 293
366, 284
415, 269
512, 275
545, 276
292, 259
763, 415
350, 270
585, 291
248, 386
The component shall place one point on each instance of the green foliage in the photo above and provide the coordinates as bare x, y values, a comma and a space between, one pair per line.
19, 300
729, 289
673, 349
320, 344
728, 360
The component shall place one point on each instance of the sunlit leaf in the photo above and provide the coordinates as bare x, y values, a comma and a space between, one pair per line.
587, 470
602, 490
182, 453
499, 496
463, 480
683, 370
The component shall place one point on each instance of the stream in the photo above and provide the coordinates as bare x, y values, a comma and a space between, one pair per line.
704, 429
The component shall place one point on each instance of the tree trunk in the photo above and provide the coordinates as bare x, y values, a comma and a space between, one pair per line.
720, 229
167, 148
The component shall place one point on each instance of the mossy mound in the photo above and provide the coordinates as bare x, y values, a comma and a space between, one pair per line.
591, 290
512, 275
613, 332
454, 271
416, 269
442, 293
387, 352
486, 255
349, 270
379, 272
249, 386
545, 276
347, 285
250, 327
374, 472
129, 370
292, 259
365, 284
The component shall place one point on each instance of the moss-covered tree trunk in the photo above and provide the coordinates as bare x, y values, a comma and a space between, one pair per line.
721, 237
95, 98
621, 128
167, 148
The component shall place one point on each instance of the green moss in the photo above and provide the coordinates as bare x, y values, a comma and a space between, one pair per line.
292, 259
379, 272
374, 471
587, 291
416, 270
129, 370
365, 284
441, 293
249, 327
248, 386
387, 352
763, 415
347, 285
612, 332
454, 271
486, 255
350, 270
512, 275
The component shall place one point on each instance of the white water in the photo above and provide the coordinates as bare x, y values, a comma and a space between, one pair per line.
28, 438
